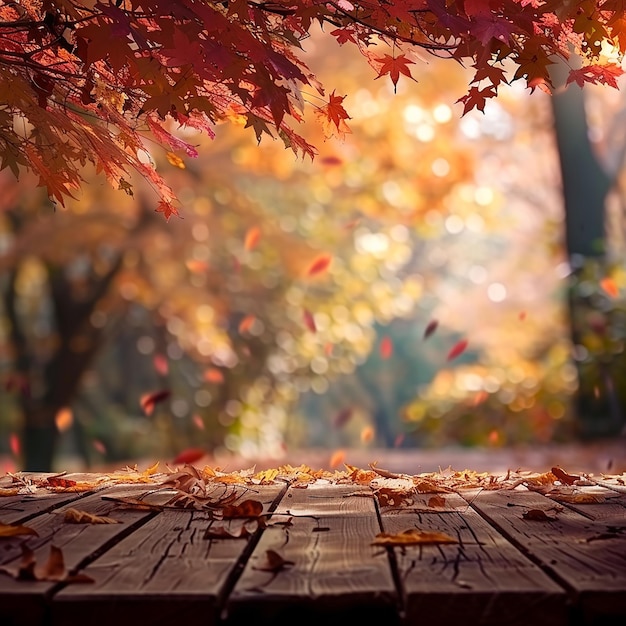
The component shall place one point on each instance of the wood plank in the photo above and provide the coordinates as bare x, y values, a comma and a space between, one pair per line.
19, 509
26, 603
588, 556
481, 580
337, 576
163, 573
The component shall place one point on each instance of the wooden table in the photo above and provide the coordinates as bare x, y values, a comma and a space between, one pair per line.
165, 564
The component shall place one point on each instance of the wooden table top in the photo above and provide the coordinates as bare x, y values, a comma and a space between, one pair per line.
293, 546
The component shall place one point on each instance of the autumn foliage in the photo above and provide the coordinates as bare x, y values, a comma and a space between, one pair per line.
101, 82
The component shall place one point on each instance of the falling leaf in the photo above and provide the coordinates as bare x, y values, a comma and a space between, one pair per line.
538, 515
480, 397
198, 421
195, 266
161, 365
64, 419
319, 265
412, 537
522, 316
247, 508
214, 375
175, 160
367, 434
457, 349
386, 347
74, 516
494, 437
309, 320
431, 327
564, 477
98, 446
343, 417
14, 444
149, 400
252, 238
330, 160
189, 456
437, 502
328, 349
337, 458
8, 530
273, 562
399, 440
246, 324
609, 286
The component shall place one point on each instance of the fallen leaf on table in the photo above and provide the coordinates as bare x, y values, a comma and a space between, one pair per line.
8, 530
53, 570
538, 515
577, 498
231, 531
74, 516
274, 562
57, 481
564, 477
247, 508
437, 502
412, 537
10, 491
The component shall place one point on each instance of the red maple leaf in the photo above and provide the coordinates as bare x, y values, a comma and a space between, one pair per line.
394, 66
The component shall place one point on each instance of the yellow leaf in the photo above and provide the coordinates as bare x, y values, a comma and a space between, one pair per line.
412, 537
175, 160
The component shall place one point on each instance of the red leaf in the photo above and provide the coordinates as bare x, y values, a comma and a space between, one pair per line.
149, 400
319, 265
213, 375
14, 444
342, 418
386, 347
333, 116
161, 365
457, 349
309, 320
189, 456
56, 481
430, 328
246, 323
252, 238
198, 422
394, 66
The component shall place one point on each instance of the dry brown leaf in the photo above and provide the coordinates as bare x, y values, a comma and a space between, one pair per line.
74, 516
231, 531
538, 515
564, 477
10, 491
266, 477
247, 508
52, 570
412, 537
8, 530
437, 502
274, 562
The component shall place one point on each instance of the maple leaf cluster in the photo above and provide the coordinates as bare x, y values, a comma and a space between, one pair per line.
88, 82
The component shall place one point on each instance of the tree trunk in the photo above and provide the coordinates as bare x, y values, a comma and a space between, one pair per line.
585, 189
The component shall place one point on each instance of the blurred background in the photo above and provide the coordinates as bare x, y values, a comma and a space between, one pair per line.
429, 284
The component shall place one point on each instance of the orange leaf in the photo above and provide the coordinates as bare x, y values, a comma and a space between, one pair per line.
149, 400
522, 316
175, 160
386, 347
437, 502
247, 508
214, 375
337, 458
58, 481
394, 66
198, 422
196, 267
189, 456
367, 434
319, 265
412, 537
64, 419
610, 287
246, 324
252, 238
457, 349
8, 530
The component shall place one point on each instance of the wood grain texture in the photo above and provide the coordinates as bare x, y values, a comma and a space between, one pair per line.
587, 556
335, 575
481, 580
165, 572
26, 603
